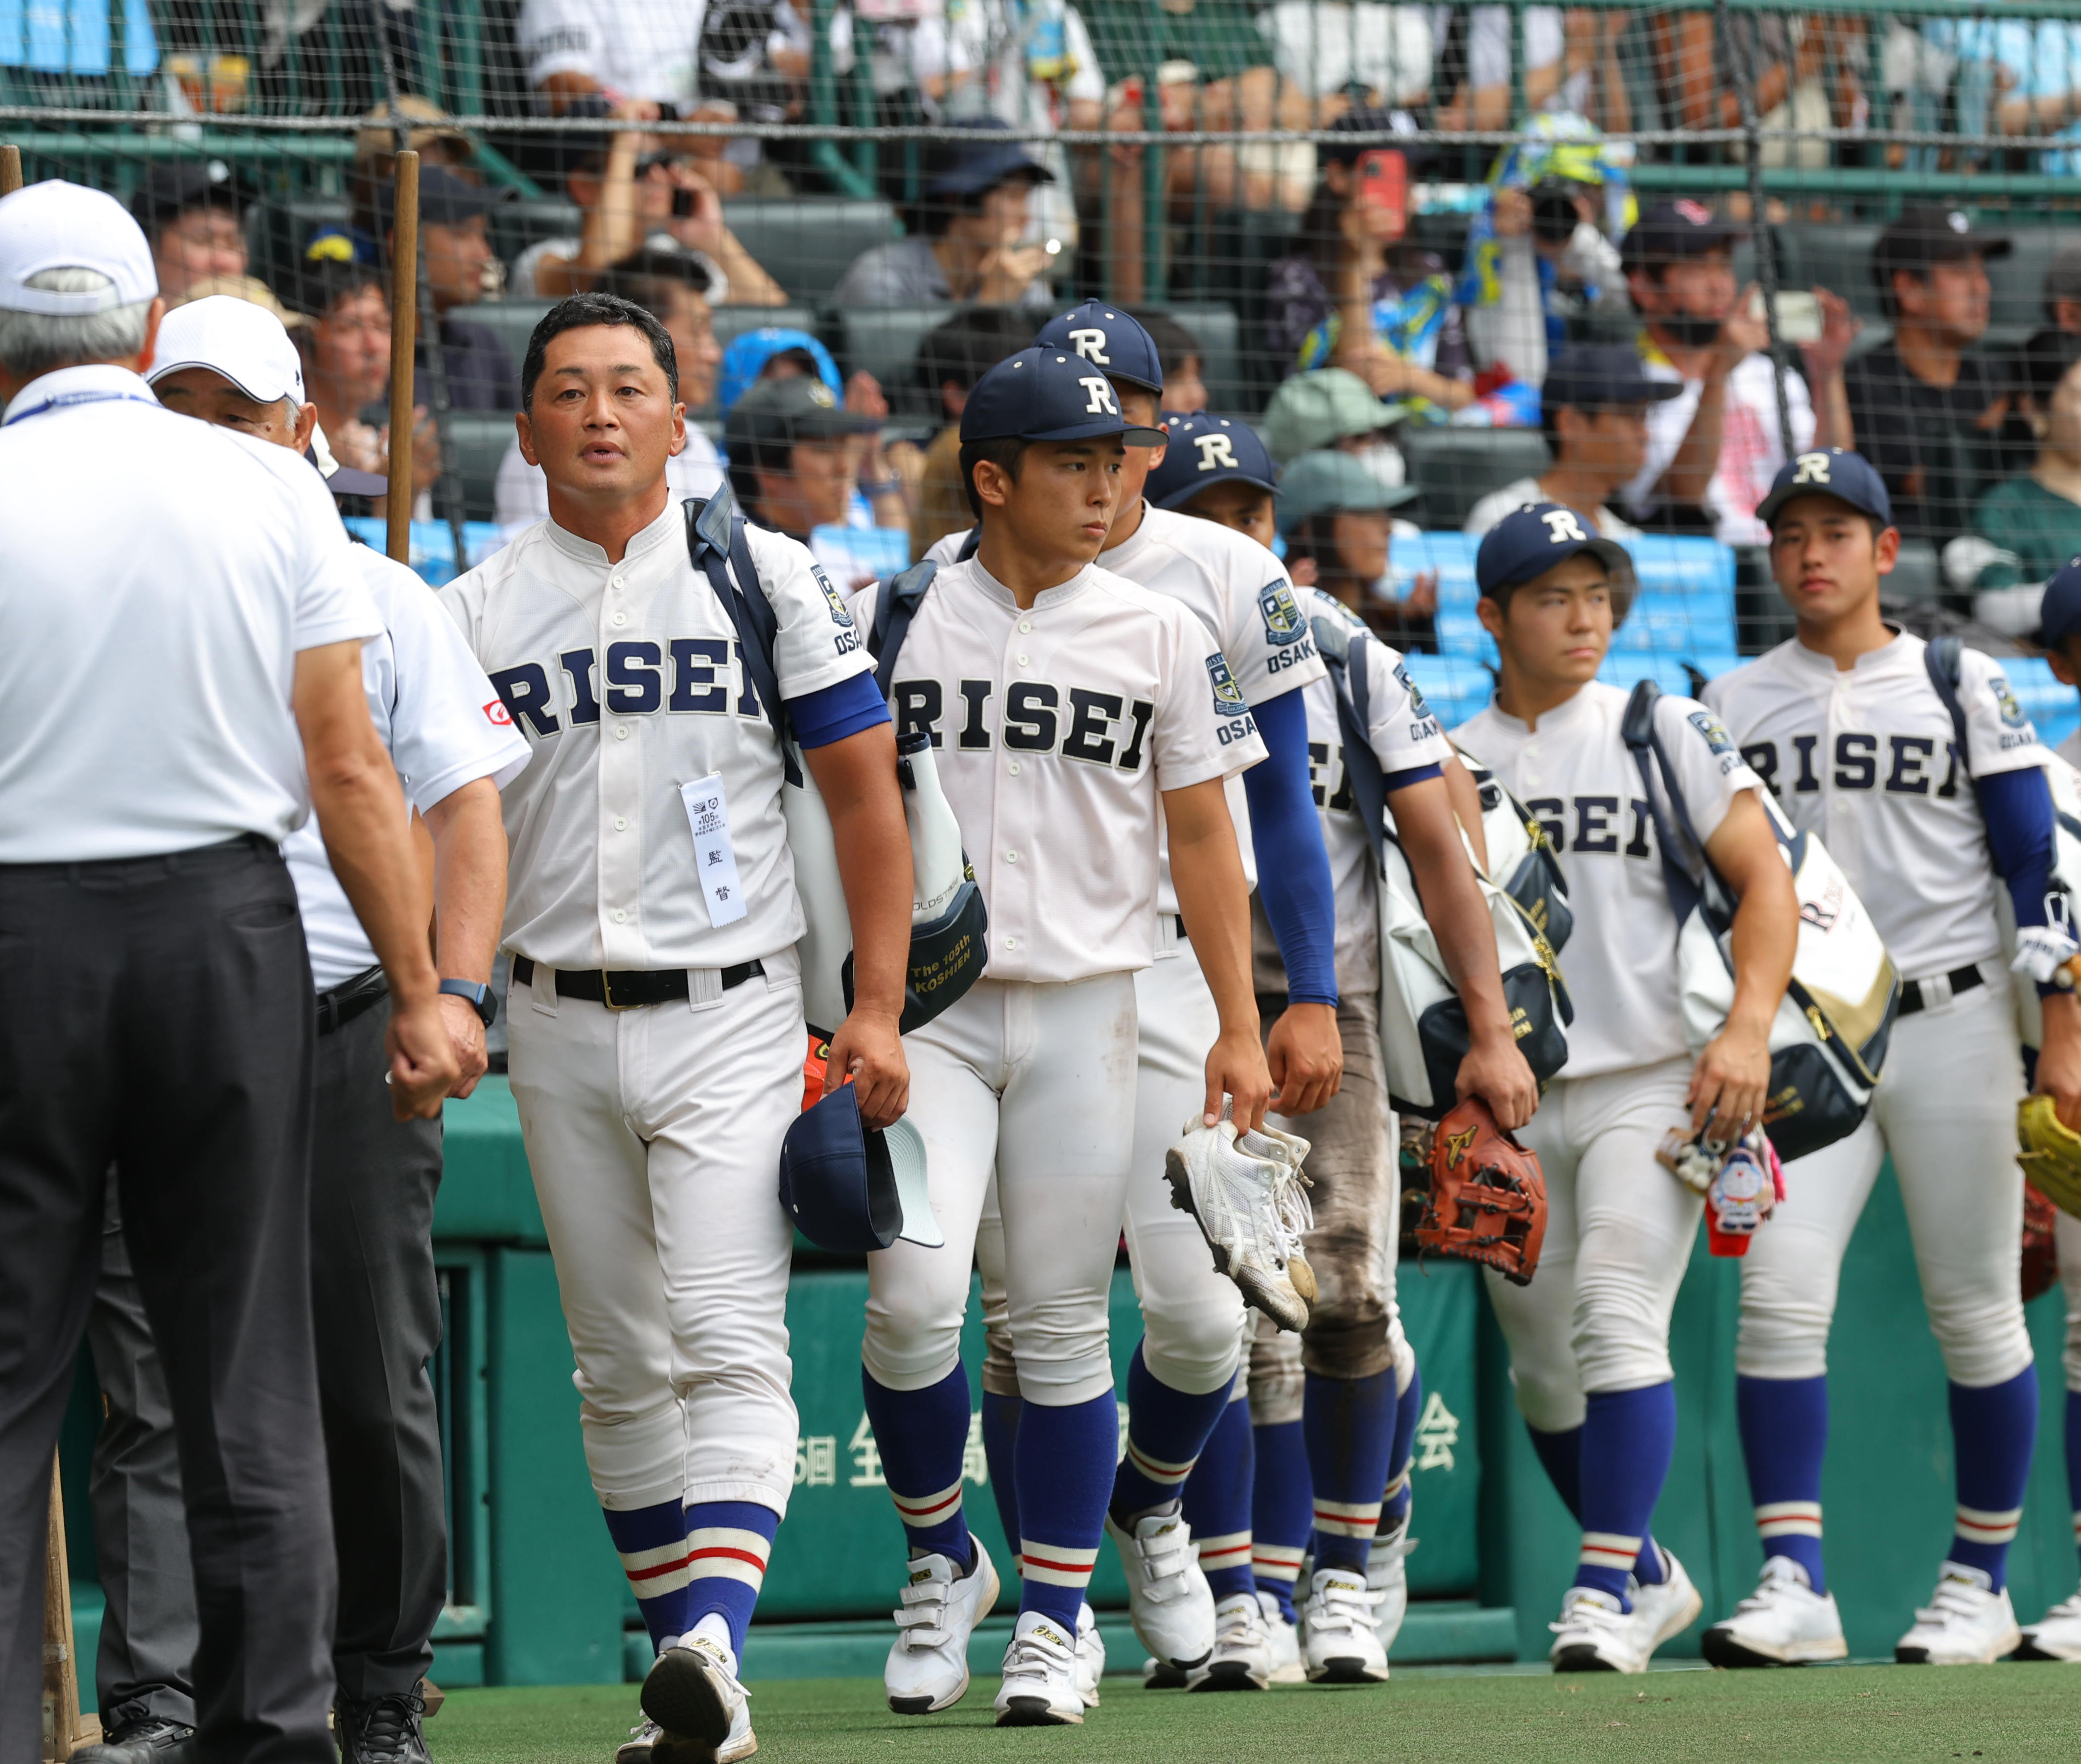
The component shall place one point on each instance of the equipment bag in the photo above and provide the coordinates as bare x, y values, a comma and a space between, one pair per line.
948, 926
1422, 1023
1828, 1040
1522, 860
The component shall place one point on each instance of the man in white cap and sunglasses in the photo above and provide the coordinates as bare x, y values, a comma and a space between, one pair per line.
180, 685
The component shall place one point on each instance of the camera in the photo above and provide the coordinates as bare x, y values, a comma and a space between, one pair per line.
1554, 216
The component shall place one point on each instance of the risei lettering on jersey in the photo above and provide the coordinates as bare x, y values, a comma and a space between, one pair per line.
1596, 825
681, 677
1899, 765
1037, 717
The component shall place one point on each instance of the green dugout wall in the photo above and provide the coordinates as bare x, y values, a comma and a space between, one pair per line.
537, 1597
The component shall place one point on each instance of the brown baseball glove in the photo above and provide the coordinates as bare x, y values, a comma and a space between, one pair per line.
1488, 1196
2041, 1254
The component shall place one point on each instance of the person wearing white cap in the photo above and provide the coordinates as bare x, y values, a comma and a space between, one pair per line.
375, 1301
180, 683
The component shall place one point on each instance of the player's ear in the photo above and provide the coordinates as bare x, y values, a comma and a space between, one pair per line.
523, 427
1886, 550
1493, 616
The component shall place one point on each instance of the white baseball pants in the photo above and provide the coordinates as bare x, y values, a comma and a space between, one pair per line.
1037, 1083
1619, 1232
1946, 1110
2066, 1243
654, 1138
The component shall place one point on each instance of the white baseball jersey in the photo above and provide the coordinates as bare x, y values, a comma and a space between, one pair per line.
1864, 757
1405, 736
2070, 749
1057, 729
624, 679
1575, 773
445, 726
1241, 593
646, 51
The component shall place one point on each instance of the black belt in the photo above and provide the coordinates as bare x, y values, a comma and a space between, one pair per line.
339, 1006
626, 989
1178, 923
1961, 979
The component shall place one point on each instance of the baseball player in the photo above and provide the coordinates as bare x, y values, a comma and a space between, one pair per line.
376, 1306
1351, 1374
1845, 723
1589, 1338
1179, 1378
1077, 717
656, 1012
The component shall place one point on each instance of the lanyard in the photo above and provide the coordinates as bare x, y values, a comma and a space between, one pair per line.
65, 400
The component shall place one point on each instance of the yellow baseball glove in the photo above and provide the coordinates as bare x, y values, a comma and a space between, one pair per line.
2051, 1153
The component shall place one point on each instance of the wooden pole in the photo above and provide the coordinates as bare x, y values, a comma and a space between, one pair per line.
10, 170
403, 315
65, 1729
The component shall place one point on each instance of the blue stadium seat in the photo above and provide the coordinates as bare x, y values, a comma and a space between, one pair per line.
2055, 709
1456, 686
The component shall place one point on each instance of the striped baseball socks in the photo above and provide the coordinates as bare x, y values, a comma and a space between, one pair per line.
1628, 1437
1216, 1500
684, 1562
1000, 1436
652, 1544
1282, 1509
1560, 1455
1785, 1434
1398, 1499
1166, 1431
922, 1436
2073, 1461
1064, 1464
1350, 1428
1993, 1428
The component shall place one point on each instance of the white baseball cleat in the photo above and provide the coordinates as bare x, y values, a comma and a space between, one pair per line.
1966, 1622
2056, 1635
1387, 1579
1039, 1687
1091, 1656
1241, 1659
637, 1748
1338, 1645
1783, 1622
1168, 1599
703, 1715
1665, 1610
1596, 1634
1283, 1638
928, 1662
1248, 1192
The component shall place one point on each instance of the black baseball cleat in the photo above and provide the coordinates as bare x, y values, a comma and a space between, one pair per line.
381, 1730
150, 1740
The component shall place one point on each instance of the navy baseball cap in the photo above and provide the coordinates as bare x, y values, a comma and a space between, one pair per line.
1045, 395
1529, 541
2059, 613
1669, 231
1593, 377
1849, 477
851, 1190
1107, 337
968, 167
1201, 450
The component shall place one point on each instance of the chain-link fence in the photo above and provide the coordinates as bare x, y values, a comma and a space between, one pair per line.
1440, 238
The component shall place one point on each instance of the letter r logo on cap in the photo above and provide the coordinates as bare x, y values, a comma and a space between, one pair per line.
1214, 450
1561, 525
1813, 469
1091, 346
1098, 395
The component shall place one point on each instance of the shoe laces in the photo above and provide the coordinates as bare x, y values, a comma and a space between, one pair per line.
385, 1726
646, 1729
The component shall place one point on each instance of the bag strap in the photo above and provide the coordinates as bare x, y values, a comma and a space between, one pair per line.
895, 608
1944, 657
1637, 728
717, 548
1339, 646
970, 543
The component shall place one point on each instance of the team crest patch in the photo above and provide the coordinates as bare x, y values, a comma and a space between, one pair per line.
1415, 692
1714, 731
840, 616
2012, 711
1283, 622
1228, 695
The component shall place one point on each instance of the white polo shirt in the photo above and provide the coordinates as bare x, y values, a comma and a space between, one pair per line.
157, 578
637, 48
445, 726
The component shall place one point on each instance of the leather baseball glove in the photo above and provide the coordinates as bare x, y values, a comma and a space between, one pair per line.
1488, 1196
2051, 1153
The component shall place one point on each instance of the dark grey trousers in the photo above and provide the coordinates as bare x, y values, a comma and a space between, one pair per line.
156, 1014
376, 1313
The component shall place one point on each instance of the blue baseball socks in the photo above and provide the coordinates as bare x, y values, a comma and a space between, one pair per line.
1218, 1500
1561, 1456
1628, 1437
686, 1563
1784, 1434
1350, 1428
1063, 1462
1993, 1428
1000, 1436
922, 1436
1399, 1497
2073, 1461
1166, 1431
1282, 1509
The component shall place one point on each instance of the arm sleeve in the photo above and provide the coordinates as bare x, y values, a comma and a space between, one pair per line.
1293, 865
833, 712
2018, 806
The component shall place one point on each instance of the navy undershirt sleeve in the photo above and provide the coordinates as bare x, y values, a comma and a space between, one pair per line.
2018, 807
1416, 774
834, 712
1292, 866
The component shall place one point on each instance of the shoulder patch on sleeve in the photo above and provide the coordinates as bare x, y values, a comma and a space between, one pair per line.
1415, 692
2006, 700
1716, 739
840, 616
1281, 613
1228, 695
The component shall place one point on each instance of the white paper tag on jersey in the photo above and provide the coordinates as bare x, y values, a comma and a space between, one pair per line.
715, 858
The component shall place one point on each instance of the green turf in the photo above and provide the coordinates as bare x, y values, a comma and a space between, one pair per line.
1997, 1713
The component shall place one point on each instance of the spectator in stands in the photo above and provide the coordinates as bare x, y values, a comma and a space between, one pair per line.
886, 476
453, 252
1358, 294
1926, 412
190, 212
1594, 413
969, 240
772, 351
1183, 360
641, 191
1333, 515
2033, 520
792, 466
429, 133
951, 358
2062, 291
1331, 409
673, 288
1713, 450
1571, 63
2014, 76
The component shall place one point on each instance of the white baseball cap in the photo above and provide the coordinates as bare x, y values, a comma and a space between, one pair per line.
246, 343
55, 225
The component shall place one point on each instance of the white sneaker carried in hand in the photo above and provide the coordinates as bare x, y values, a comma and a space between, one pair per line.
1168, 1599
1667, 1609
1338, 1645
703, 1713
1387, 1579
1966, 1622
928, 1662
1596, 1634
1783, 1622
1241, 1659
1039, 1687
2056, 1635
1091, 1656
1248, 1192
1283, 1637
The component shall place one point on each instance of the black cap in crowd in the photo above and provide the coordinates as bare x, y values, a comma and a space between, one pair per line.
777, 414
1670, 231
446, 198
1596, 376
1921, 237
968, 168
172, 187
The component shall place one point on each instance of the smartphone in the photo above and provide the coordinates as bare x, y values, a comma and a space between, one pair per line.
683, 204
1799, 318
1383, 188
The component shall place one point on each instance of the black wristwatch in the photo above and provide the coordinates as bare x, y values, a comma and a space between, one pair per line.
482, 999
